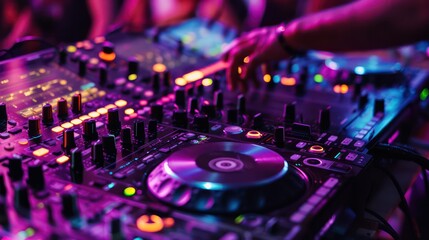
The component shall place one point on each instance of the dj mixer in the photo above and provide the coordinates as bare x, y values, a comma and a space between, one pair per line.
134, 136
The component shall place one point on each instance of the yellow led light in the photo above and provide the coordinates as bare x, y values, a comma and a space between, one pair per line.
120, 103
76, 121
101, 111
67, 125
22, 141
152, 223
317, 149
344, 89
246, 59
132, 77
193, 76
57, 129
62, 159
63, 82
40, 152
239, 70
180, 82
71, 49
84, 117
94, 114
159, 68
207, 82
129, 111
267, 78
129, 191
288, 81
110, 106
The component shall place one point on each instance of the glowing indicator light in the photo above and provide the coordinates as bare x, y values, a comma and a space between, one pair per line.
79, 44
331, 64
129, 191
108, 57
101, 111
207, 82
359, 70
129, 111
148, 93
29, 231
99, 39
67, 125
57, 129
40, 152
68, 187
317, 149
267, 78
93, 61
169, 222
276, 78
159, 68
288, 81
253, 134
152, 223
85, 117
76, 121
109, 106
62, 159
22, 141
121, 103
143, 102
42, 70
343, 88
424, 94
246, 59
63, 82
111, 185
318, 78
132, 77
207, 185
239, 70
193, 76
239, 219
71, 49
180, 82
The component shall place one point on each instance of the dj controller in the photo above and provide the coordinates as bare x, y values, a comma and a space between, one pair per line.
134, 136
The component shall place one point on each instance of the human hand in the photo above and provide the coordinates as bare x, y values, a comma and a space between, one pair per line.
246, 53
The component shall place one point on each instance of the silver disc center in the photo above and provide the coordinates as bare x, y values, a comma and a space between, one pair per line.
226, 164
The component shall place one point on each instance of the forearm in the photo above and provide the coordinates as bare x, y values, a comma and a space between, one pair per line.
361, 25
101, 13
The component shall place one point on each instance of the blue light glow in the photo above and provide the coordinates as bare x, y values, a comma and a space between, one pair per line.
276, 78
359, 70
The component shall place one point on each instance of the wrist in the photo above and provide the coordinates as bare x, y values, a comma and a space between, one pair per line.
284, 43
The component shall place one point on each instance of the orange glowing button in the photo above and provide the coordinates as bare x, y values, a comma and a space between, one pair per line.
76, 121
193, 76
57, 129
180, 81
40, 152
344, 89
288, 81
62, 159
94, 114
84, 117
159, 68
129, 111
169, 222
121, 103
110, 106
22, 141
267, 78
143, 102
102, 111
246, 59
317, 149
253, 134
108, 57
152, 223
67, 125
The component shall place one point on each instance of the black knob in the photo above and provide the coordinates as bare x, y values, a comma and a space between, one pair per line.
113, 122
102, 74
90, 130
152, 130
300, 89
357, 90
139, 133
180, 119
21, 200
209, 110
218, 99
167, 79
47, 115
279, 137
192, 105
109, 148
126, 138
34, 130
216, 84
201, 123
289, 67
3, 189
241, 104
180, 98
62, 56
15, 169
76, 166
70, 208
363, 101
156, 82
68, 140
258, 121
116, 229
157, 112
378, 106
289, 112
325, 119
3, 114
200, 90
62, 109
82, 65
97, 156
133, 66
36, 178
303, 75
76, 103
232, 116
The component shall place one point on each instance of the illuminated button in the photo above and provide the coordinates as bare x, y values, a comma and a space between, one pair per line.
108, 57
40, 152
67, 125
233, 130
110, 106
193, 76
148, 93
317, 149
169, 222
79, 44
102, 111
267, 78
152, 223
121, 103
288, 81
101, 93
180, 82
132, 77
93, 61
95, 114
63, 82
76, 121
246, 59
84, 117
99, 40
62, 159
159, 68
143, 102
129, 111
207, 82
22, 141
57, 129
71, 49
253, 134
134, 115
129, 191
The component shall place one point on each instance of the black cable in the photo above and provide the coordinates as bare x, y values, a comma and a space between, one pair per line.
384, 225
403, 204
399, 152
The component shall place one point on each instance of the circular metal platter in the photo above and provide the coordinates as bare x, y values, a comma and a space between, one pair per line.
226, 177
